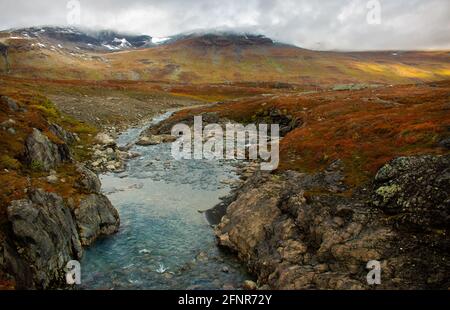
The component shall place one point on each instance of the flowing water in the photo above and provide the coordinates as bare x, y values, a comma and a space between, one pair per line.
164, 241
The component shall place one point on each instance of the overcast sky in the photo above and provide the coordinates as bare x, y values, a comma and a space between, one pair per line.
324, 24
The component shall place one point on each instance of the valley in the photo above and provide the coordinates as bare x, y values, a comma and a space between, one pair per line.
363, 174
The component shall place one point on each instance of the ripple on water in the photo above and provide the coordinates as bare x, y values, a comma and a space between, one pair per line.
163, 242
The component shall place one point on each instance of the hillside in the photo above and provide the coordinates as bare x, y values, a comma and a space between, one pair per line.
218, 58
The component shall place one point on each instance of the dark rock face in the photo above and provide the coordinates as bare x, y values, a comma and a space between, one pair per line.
96, 217
45, 236
43, 231
47, 232
295, 231
416, 191
40, 151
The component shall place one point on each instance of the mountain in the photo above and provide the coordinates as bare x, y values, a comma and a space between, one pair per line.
206, 57
220, 39
103, 40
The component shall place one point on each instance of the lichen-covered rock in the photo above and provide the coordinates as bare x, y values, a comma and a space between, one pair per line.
44, 154
96, 217
45, 238
295, 231
416, 190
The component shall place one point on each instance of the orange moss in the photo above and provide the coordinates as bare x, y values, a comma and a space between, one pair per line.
364, 128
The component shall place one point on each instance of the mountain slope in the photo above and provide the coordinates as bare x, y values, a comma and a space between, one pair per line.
216, 58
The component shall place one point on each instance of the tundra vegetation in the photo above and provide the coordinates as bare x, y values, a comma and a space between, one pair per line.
363, 156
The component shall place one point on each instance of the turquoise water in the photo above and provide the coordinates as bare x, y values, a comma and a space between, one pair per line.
164, 241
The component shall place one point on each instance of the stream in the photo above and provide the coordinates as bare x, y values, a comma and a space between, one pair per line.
164, 241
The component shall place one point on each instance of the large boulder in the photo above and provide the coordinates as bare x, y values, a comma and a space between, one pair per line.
45, 238
41, 153
96, 217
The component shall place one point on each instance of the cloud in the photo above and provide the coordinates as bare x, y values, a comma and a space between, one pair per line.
325, 24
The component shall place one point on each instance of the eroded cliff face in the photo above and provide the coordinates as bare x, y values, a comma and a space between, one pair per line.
44, 230
301, 231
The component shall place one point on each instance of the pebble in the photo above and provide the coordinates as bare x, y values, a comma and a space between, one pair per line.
52, 179
249, 285
225, 269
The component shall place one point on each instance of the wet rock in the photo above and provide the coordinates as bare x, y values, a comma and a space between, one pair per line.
46, 235
225, 269
95, 217
41, 152
155, 140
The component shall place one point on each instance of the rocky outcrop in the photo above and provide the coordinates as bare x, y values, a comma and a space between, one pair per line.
300, 231
47, 232
45, 238
95, 217
41, 153
43, 231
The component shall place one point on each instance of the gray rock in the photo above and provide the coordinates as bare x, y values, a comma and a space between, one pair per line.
88, 180
445, 143
45, 232
105, 140
96, 217
61, 133
12, 105
52, 179
11, 131
43, 153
